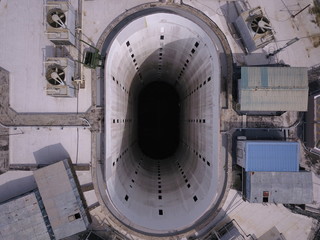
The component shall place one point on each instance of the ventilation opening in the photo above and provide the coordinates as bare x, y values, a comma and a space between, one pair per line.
158, 120
74, 217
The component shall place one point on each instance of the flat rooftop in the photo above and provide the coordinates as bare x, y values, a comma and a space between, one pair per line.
62, 200
272, 156
22, 218
282, 187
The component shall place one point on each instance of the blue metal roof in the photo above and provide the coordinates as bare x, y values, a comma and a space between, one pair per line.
272, 156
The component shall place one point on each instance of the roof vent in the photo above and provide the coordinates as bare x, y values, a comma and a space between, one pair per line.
55, 75
60, 22
260, 24
254, 28
56, 18
59, 76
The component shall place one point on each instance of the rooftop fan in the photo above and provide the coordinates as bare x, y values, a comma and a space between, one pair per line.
260, 24
56, 18
55, 75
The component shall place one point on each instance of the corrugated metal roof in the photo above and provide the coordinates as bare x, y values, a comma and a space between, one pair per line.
272, 156
273, 89
283, 187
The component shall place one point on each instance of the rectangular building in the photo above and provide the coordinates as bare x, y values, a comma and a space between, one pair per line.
24, 217
268, 156
62, 199
279, 187
273, 89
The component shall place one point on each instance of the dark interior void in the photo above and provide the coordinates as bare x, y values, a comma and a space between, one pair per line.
158, 120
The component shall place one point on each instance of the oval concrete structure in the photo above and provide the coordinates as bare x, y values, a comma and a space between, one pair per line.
180, 193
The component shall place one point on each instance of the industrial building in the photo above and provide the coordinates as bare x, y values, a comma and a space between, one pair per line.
176, 192
278, 187
55, 210
24, 218
271, 172
268, 156
272, 90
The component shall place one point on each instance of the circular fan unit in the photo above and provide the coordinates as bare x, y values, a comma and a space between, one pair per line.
260, 24
56, 18
55, 75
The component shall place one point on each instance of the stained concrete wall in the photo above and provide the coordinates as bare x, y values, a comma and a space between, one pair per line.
171, 194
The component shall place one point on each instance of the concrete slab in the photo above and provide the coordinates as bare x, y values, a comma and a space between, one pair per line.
91, 198
98, 14
250, 217
49, 145
84, 177
14, 183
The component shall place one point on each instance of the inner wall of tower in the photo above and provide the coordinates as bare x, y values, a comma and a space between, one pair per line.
172, 193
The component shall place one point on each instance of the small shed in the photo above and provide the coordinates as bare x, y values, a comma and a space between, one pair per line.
273, 89
279, 187
268, 156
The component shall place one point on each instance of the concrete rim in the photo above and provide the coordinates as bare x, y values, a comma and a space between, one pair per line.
98, 75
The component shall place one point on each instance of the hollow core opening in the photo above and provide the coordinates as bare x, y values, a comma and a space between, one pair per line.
162, 127
158, 120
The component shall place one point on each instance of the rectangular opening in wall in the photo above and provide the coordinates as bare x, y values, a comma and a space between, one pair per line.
188, 185
159, 197
196, 44
160, 212
126, 197
161, 37
195, 198
193, 50
128, 43
74, 217
265, 196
